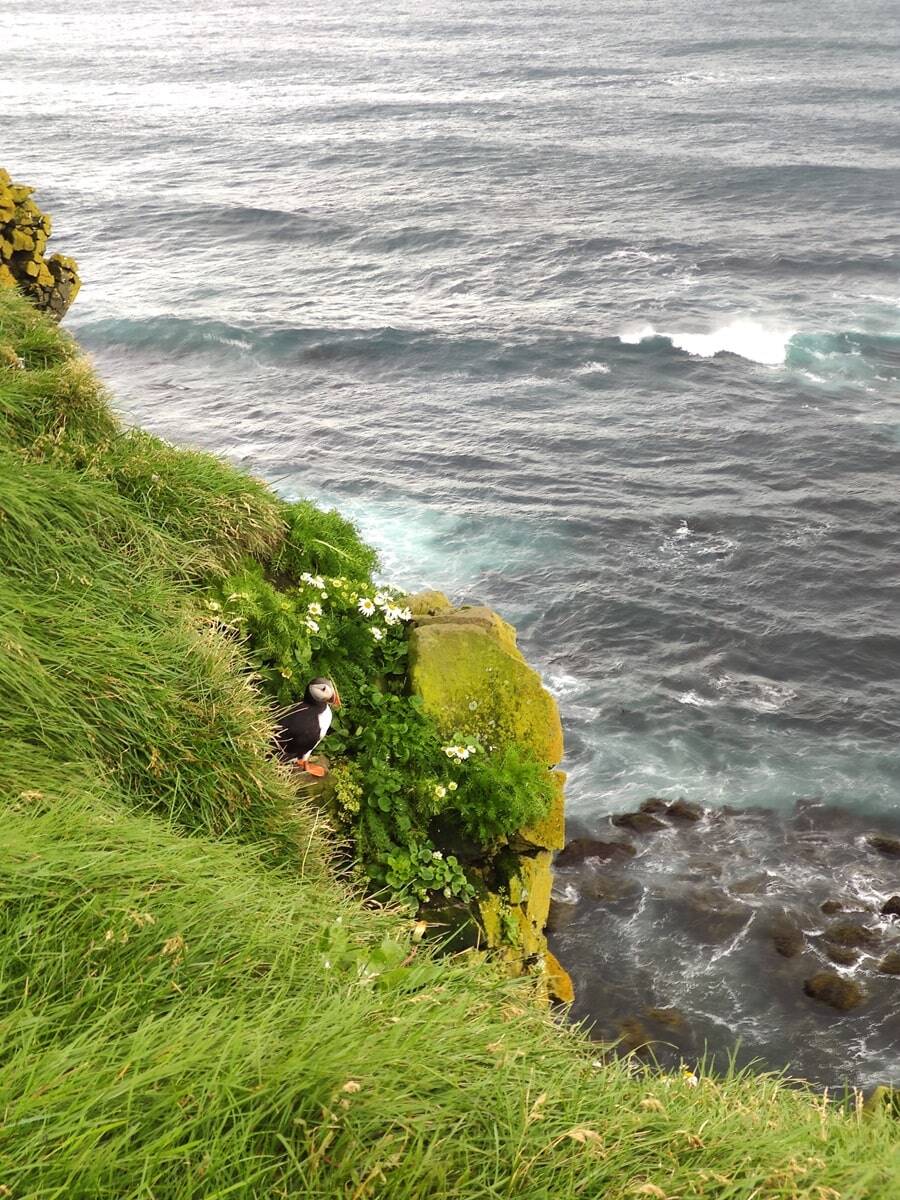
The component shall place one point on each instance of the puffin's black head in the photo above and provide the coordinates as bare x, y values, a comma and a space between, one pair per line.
322, 691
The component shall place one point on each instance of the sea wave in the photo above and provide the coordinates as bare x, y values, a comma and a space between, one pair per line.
741, 336
825, 354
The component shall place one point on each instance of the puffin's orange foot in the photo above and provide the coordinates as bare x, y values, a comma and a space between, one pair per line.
303, 764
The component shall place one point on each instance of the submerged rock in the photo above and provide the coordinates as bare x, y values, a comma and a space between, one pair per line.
561, 913
653, 804
684, 810
834, 990
580, 849
891, 908
829, 907
884, 844
844, 956
852, 933
638, 822
787, 935
890, 964
610, 889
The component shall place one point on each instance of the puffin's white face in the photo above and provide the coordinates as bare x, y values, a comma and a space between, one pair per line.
323, 691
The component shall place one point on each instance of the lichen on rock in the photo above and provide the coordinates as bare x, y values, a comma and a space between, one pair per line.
51, 284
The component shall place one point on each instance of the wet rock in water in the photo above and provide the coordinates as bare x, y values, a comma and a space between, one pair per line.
560, 915
612, 888
710, 915
633, 1034
834, 990
852, 933
829, 907
884, 844
890, 964
638, 822
844, 956
891, 908
671, 1018
751, 885
684, 810
583, 848
787, 935
655, 805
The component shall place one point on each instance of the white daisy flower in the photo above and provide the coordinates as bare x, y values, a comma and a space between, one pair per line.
381, 599
311, 624
377, 633
318, 582
365, 606
391, 614
440, 791
315, 610
472, 749
405, 614
437, 854
306, 577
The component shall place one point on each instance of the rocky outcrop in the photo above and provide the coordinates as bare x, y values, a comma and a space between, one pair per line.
51, 284
465, 666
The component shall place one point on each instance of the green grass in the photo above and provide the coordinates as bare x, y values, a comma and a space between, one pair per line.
192, 1002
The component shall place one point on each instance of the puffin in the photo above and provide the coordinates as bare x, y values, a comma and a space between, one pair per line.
300, 729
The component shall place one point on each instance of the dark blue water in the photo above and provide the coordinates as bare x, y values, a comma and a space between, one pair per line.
589, 311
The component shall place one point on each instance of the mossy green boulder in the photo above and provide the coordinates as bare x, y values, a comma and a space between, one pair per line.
474, 684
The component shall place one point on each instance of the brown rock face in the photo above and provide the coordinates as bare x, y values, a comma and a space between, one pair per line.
890, 964
834, 990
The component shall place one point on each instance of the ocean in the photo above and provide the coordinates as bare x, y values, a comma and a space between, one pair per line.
589, 312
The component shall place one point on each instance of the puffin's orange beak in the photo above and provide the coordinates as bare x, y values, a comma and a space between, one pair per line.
336, 702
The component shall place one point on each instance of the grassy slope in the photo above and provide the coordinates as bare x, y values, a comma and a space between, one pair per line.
191, 1004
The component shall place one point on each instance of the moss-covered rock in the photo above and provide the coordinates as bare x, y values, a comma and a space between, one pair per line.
427, 603
559, 982
50, 284
474, 685
476, 615
834, 990
550, 832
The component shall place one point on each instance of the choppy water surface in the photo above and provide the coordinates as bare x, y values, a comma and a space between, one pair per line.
589, 311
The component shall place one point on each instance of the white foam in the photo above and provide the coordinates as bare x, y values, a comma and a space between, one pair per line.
742, 337
695, 700
593, 368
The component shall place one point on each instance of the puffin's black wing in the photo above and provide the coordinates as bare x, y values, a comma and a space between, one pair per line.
297, 731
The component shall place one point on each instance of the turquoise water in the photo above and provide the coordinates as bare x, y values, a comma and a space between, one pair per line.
590, 312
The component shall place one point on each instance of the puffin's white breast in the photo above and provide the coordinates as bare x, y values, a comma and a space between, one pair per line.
324, 721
